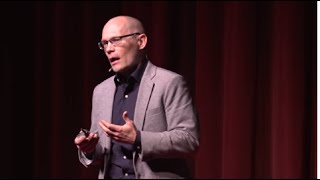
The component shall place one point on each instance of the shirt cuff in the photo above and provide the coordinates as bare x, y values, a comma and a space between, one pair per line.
88, 155
137, 142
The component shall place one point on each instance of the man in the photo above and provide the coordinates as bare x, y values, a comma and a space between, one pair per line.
144, 124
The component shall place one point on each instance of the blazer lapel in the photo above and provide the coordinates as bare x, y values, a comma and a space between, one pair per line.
105, 108
109, 101
145, 92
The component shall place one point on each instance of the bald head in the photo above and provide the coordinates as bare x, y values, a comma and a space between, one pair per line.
123, 25
124, 48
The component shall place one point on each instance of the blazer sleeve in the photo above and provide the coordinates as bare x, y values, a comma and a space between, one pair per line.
98, 155
182, 135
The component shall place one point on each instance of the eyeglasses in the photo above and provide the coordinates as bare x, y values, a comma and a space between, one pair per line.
116, 41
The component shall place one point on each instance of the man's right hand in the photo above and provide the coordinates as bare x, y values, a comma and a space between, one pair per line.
87, 144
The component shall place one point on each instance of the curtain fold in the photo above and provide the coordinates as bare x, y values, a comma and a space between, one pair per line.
251, 68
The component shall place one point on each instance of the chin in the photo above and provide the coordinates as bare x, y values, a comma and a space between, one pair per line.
116, 69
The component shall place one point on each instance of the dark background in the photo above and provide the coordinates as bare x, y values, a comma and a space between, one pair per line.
251, 67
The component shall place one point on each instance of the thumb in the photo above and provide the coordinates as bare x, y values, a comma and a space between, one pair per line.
125, 116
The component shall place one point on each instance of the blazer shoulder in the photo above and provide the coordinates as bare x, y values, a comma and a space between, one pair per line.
155, 72
166, 75
104, 85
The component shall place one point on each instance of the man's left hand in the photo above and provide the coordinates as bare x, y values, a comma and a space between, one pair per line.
123, 133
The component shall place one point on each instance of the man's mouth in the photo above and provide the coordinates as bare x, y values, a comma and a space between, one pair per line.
114, 60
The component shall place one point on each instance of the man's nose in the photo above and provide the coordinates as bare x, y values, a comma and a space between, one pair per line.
109, 48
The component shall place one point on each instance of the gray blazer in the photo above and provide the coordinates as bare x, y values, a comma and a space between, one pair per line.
164, 114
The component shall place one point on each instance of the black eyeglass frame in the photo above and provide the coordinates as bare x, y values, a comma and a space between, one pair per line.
101, 44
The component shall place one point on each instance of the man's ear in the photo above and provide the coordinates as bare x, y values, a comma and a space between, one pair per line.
142, 42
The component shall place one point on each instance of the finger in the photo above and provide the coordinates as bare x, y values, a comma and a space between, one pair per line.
104, 123
106, 130
125, 116
95, 135
79, 139
115, 137
90, 145
112, 133
115, 128
118, 139
91, 135
83, 144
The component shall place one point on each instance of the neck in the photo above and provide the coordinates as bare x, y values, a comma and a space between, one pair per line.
130, 70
